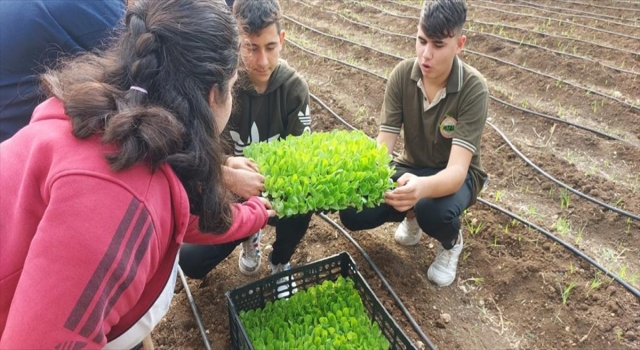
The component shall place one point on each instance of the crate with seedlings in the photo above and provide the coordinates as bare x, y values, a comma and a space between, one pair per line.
323, 171
334, 308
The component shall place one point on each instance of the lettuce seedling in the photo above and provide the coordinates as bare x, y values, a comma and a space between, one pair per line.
323, 171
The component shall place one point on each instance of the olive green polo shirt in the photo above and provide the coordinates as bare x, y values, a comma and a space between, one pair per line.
458, 118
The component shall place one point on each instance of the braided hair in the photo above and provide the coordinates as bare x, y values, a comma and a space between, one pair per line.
148, 95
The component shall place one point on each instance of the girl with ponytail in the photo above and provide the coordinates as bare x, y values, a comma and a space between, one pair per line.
116, 169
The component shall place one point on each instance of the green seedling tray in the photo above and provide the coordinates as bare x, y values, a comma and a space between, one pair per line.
256, 294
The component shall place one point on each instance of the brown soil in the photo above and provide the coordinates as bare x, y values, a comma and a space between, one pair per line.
511, 278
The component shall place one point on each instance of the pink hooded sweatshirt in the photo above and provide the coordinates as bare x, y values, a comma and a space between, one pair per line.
88, 256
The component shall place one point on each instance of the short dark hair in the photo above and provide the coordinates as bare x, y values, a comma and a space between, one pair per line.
443, 18
255, 15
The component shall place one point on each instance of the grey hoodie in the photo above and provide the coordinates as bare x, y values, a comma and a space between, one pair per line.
282, 110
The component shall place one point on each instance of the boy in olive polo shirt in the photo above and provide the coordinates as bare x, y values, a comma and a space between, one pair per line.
441, 103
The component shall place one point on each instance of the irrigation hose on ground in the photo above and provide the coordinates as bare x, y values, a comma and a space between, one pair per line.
560, 183
194, 309
566, 245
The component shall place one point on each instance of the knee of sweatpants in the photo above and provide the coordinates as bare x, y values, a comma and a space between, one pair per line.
431, 214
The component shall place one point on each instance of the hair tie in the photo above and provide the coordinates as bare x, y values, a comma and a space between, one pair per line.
139, 89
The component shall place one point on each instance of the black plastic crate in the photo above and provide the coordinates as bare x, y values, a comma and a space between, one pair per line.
256, 294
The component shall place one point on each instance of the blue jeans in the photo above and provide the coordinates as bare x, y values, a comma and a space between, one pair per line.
197, 260
437, 217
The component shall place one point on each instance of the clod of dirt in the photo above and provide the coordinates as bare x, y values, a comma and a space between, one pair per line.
603, 327
546, 246
613, 306
631, 336
611, 290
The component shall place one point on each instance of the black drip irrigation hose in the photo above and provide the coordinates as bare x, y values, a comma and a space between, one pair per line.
539, 17
552, 19
194, 309
587, 14
393, 294
573, 15
522, 42
566, 245
527, 223
541, 7
560, 183
557, 52
602, 6
334, 59
600, 133
634, 53
340, 38
514, 41
546, 116
588, 90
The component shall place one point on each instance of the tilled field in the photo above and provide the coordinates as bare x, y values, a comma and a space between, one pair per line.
562, 148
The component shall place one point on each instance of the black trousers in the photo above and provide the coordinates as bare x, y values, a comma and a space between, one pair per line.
437, 217
197, 260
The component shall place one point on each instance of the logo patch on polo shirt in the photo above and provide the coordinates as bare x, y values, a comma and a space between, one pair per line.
448, 126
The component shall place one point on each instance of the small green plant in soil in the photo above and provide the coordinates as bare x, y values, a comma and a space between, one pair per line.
323, 171
565, 200
596, 282
474, 226
565, 292
330, 315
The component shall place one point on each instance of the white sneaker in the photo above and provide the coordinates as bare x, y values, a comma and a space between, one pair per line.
249, 260
408, 232
443, 269
284, 282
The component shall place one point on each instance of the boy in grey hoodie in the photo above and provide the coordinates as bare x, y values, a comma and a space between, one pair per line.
272, 103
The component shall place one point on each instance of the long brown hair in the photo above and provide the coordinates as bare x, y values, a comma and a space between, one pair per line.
176, 50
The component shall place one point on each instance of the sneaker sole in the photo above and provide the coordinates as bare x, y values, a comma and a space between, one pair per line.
247, 272
436, 283
412, 243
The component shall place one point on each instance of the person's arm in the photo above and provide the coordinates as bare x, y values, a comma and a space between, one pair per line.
412, 188
299, 118
391, 114
87, 265
388, 139
248, 218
